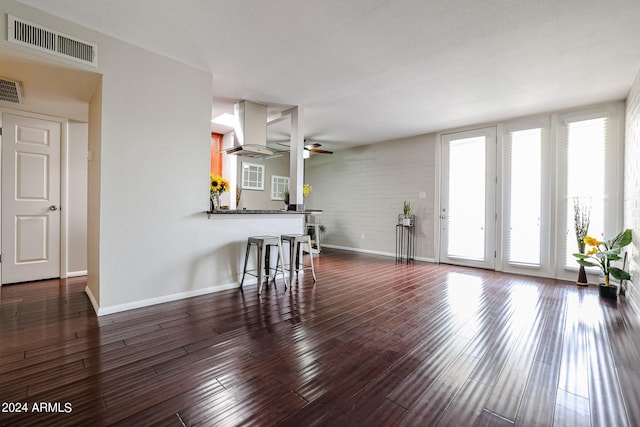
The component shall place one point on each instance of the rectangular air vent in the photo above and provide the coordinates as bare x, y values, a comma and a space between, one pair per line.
26, 33
10, 91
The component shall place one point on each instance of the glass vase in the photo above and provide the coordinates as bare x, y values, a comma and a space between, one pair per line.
582, 274
215, 202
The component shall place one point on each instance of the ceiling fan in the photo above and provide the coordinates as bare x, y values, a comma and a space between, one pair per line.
312, 147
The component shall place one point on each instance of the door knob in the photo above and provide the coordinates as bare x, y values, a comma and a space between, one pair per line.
443, 216
53, 208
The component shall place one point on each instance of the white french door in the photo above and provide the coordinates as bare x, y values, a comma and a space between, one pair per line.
468, 194
526, 197
30, 199
507, 193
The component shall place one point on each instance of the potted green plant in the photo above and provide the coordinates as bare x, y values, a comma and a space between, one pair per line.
306, 189
312, 231
602, 254
406, 220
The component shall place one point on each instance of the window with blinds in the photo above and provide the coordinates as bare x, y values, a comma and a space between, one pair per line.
542, 164
586, 170
467, 198
524, 157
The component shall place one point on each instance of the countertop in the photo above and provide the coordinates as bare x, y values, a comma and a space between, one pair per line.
252, 211
260, 212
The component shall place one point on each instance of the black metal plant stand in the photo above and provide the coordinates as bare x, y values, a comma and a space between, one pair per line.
405, 239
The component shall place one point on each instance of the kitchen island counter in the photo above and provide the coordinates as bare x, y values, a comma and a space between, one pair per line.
225, 212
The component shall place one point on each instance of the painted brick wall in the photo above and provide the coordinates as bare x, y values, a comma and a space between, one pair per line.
361, 191
632, 189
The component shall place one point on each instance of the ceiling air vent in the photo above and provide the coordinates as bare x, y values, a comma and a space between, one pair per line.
10, 91
26, 33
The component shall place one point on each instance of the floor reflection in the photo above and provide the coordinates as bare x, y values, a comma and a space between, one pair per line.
463, 292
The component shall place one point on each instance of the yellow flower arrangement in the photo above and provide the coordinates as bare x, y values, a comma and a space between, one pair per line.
218, 185
306, 189
603, 253
592, 241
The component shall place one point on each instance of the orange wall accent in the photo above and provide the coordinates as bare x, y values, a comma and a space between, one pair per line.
216, 153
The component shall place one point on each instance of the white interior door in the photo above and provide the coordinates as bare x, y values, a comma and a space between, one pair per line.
30, 199
468, 213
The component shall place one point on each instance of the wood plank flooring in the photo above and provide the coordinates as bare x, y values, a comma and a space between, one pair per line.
374, 343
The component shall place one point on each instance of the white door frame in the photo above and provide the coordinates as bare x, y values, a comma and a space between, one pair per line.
64, 174
491, 222
548, 177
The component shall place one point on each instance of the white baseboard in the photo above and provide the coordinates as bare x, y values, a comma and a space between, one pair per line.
102, 311
367, 251
92, 299
76, 273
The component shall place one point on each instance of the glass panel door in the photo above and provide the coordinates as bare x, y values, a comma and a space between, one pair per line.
525, 198
586, 177
467, 216
590, 149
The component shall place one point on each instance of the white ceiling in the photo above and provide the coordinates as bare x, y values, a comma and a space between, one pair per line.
373, 70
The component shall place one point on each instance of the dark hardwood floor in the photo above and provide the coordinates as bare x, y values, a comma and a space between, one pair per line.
374, 343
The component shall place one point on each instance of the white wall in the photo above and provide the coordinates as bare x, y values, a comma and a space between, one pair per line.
93, 197
154, 168
261, 199
52, 89
361, 191
149, 134
632, 189
77, 198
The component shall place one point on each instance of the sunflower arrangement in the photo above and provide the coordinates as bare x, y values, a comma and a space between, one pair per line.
218, 184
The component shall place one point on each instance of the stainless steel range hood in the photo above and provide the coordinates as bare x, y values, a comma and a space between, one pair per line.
250, 150
250, 135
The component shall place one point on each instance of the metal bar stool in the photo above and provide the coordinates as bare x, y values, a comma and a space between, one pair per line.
295, 259
263, 245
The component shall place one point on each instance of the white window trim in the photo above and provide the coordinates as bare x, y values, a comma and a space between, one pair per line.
276, 180
554, 157
613, 187
247, 185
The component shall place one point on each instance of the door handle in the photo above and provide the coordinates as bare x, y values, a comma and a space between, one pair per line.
53, 208
443, 217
